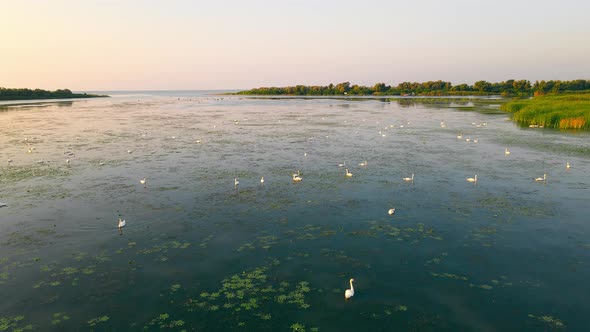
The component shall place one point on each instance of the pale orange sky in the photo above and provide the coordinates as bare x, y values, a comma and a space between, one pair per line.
135, 45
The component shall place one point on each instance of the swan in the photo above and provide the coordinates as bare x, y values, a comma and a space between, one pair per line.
262, 180
467, 139
30, 150
342, 164
474, 179
442, 124
365, 163
236, 182
544, 178
129, 151
68, 162
349, 292
391, 212
297, 178
506, 152
121, 223
348, 174
411, 179
567, 165
475, 140
460, 136
143, 181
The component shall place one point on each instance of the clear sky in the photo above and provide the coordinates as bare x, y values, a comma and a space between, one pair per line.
225, 44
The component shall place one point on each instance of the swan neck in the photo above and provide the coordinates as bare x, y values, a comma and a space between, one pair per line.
351, 287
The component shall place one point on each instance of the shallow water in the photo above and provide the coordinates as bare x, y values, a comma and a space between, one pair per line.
505, 254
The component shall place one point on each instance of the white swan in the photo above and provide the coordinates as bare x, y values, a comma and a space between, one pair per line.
349, 292
342, 164
567, 165
391, 212
411, 179
236, 182
365, 163
121, 223
143, 181
506, 152
474, 179
460, 136
348, 174
262, 180
544, 178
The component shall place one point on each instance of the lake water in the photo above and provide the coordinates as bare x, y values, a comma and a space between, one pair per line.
504, 254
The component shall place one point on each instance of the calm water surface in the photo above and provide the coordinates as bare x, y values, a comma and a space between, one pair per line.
506, 254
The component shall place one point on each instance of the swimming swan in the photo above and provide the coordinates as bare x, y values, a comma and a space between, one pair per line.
348, 174
544, 178
349, 292
474, 179
409, 179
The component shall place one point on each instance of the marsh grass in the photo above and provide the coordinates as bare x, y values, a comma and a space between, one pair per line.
570, 111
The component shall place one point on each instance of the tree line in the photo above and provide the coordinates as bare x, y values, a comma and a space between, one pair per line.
23, 94
430, 88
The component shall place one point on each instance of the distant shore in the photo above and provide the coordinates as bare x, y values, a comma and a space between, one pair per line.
507, 88
7, 94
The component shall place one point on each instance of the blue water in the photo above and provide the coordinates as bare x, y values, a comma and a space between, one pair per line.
504, 254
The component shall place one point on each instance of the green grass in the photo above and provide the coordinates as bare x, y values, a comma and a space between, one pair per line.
569, 111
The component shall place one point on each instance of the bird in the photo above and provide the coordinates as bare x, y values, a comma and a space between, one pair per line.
460, 136
305, 154
342, 164
410, 179
567, 165
262, 180
474, 179
129, 151
475, 140
68, 162
349, 292
467, 139
236, 182
391, 212
365, 163
544, 178
30, 150
506, 152
348, 174
143, 181
297, 177
101, 163
442, 124
121, 223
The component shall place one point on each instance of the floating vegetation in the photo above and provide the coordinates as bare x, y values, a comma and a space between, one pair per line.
251, 292
401, 308
549, 320
175, 288
98, 320
340, 257
449, 276
437, 259
412, 234
14, 174
264, 242
312, 232
205, 241
484, 235
163, 321
59, 317
163, 248
14, 323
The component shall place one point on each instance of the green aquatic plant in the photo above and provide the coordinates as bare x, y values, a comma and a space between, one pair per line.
549, 320
298, 327
163, 321
98, 320
449, 276
14, 324
175, 288
59, 317
401, 308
